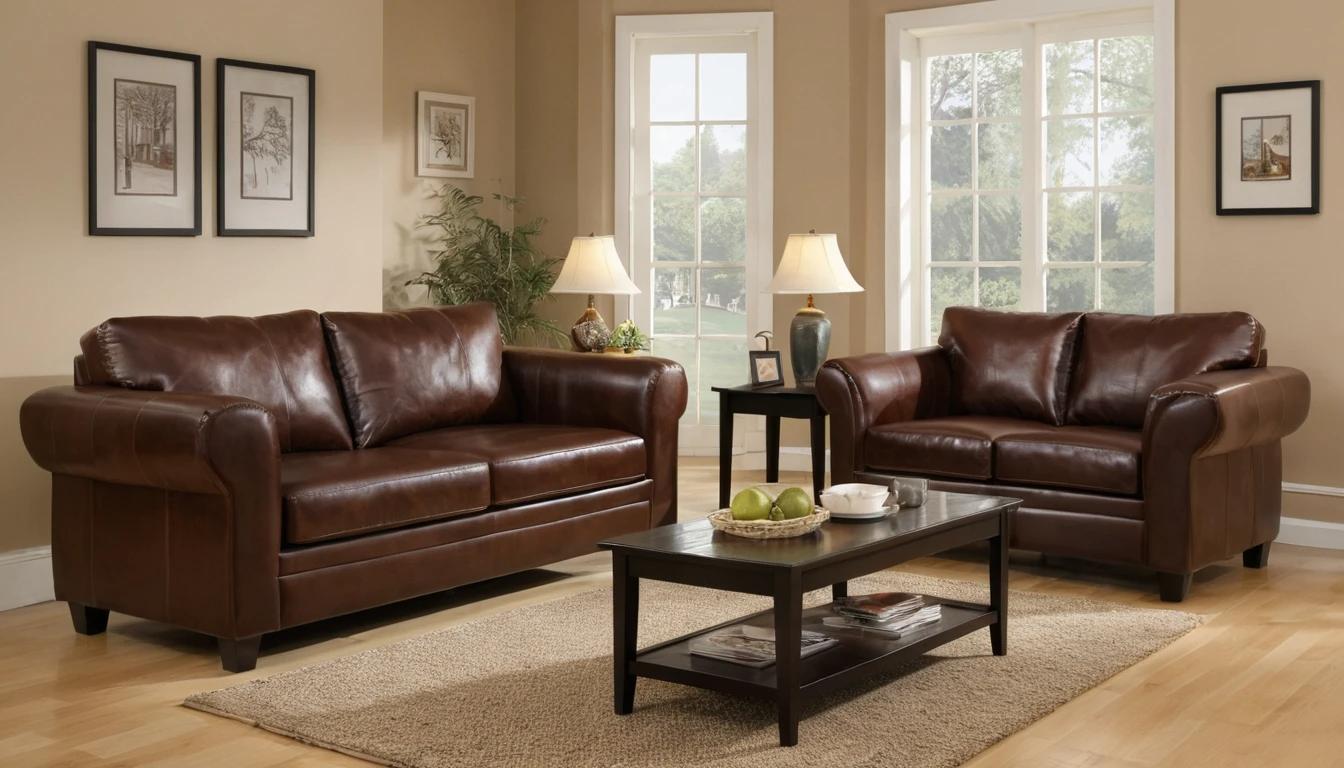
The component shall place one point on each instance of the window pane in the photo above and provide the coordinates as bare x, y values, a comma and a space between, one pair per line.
674, 300
1126, 150
723, 86
1000, 150
723, 159
672, 87
1126, 74
1068, 153
1069, 226
683, 351
1127, 226
950, 228
672, 155
1001, 287
948, 287
999, 83
1000, 228
723, 229
1068, 290
950, 87
674, 229
1069, 68
723, 309
950, 156
723, 362
1128, 289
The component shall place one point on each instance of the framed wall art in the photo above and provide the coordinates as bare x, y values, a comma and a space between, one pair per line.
1269, 148
265, 142
445, 135
144, 141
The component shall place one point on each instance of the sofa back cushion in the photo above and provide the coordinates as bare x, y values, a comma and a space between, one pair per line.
1123, 358
1013, 364
278, 360
407, 372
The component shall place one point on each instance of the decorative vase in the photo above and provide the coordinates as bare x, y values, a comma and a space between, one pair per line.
809, 343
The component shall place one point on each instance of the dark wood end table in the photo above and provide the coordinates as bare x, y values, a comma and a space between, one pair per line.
774, 403
784, 569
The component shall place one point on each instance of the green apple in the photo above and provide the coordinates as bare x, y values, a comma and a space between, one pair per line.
794, 503
751, 504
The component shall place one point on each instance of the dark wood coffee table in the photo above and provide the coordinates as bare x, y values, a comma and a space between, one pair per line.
694, 553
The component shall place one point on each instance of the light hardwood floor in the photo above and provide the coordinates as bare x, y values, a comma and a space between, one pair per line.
1260, 684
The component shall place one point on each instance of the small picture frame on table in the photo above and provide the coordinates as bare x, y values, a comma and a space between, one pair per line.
766, 370
1268, 145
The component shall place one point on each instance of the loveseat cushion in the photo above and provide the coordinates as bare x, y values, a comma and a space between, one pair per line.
1011, 364
1094, 459
407, 372
336, 494
1122, 359
954, 446
278, 360
537, 461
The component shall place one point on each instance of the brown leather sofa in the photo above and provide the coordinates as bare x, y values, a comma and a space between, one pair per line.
236, 475
1131, 439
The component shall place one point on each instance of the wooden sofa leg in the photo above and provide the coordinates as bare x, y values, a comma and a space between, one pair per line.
1173, 586
1256, 557
88, 620
239, 655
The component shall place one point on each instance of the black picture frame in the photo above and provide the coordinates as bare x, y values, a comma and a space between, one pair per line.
1314, 169
93, 47
221, 197
757, 355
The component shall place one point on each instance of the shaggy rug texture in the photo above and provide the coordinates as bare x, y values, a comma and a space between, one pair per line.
532, 687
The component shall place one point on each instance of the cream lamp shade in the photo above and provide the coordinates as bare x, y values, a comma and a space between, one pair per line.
593, 266
812, 264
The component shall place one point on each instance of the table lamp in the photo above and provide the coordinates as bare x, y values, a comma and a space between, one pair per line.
811, 264
592, 266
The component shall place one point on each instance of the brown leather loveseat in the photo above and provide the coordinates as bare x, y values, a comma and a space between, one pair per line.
236, 475
1131, 439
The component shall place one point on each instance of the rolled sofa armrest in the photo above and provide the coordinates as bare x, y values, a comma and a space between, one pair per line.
1225, 411
867, 390
645, 396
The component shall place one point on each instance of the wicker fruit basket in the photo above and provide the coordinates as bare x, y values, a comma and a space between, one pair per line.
722, 520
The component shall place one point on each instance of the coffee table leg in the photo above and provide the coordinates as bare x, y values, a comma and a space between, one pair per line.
840, 591
998, 587
625, 626
788, 661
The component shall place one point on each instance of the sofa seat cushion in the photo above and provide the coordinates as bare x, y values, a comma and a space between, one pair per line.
334, 494
954, 446
1094, 459
538, 461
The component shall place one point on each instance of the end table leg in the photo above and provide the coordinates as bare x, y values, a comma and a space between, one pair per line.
818, 456
998, 587
625, 625
788, 650
772, 449
840, 591
725, 449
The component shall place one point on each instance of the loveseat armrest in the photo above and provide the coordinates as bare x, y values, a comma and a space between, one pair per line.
644, 396
1225, 411
881, 388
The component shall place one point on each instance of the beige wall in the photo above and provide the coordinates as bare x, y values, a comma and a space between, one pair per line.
450, 46
56, 282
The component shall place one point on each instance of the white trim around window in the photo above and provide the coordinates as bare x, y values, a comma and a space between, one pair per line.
911, 37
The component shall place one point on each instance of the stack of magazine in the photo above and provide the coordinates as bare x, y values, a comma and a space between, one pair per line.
890, 613
752, 646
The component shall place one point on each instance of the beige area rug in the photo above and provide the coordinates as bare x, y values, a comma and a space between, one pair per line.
532, 687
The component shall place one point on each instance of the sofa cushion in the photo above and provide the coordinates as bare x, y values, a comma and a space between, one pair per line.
1012, 364
335, 494
538, 461
1095, 459
1123, 358
954, 446
407, 372
278, 360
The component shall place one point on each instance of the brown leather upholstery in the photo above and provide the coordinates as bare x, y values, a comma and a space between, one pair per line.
1123, 358
1013, 364
280, 361
338, 494
407, 372
540, 461
1097, 459
953, 446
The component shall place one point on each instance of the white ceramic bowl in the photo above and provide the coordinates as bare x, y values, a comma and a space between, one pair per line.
854, 499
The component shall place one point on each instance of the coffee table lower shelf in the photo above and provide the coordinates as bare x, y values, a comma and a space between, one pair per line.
858, 655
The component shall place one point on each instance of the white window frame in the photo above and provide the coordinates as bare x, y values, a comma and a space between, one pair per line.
634, 246
908, 34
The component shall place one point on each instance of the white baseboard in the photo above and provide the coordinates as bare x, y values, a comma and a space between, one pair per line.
1313, 490
790, 460
25, 577
1311, 533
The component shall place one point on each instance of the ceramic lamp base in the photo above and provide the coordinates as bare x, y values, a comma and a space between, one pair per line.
809, 343
590, 332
